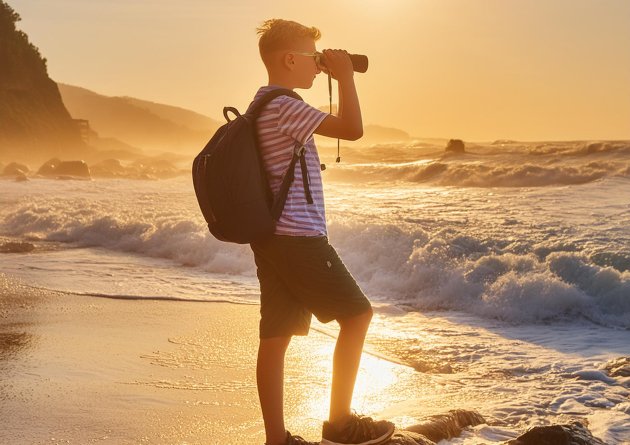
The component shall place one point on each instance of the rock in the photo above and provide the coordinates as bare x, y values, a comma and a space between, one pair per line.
74, 168
155, 168
445, 426
15, 169
65, 169
408, 438
109, 168
569, 434
455, 146
21, 178
48, 167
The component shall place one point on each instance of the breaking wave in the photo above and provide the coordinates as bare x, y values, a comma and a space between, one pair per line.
481, 174
413, 268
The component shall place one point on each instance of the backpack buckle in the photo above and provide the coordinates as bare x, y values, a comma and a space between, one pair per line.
299, 150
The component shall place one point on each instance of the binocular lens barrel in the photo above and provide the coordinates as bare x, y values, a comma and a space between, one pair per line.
359, 62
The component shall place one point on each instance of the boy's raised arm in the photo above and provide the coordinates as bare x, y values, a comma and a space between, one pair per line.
348, 124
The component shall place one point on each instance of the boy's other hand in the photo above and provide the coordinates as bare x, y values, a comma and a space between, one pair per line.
337, 64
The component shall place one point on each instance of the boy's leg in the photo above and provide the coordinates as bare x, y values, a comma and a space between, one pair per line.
270, 380
346, 360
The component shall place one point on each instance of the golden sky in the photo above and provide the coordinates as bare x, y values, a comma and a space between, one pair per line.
478, 70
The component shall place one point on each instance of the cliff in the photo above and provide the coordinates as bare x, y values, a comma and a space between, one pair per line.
147, 125
34, 122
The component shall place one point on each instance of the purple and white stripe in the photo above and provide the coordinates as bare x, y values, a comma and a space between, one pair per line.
281, 123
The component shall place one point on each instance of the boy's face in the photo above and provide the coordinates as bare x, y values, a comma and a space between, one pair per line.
301, 62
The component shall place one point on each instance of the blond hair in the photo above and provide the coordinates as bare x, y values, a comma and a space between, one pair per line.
279, 34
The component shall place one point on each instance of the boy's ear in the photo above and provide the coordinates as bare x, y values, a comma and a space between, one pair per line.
289, 61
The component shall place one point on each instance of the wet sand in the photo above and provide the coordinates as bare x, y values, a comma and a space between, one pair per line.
81, 370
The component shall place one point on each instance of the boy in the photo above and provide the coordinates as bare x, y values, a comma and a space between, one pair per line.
299, 271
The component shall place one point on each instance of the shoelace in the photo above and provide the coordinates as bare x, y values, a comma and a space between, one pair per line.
297, 440
362, 427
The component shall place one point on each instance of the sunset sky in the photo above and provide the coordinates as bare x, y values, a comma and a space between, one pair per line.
478, 70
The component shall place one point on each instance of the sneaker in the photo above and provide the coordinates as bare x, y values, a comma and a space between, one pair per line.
358, 430
297, 440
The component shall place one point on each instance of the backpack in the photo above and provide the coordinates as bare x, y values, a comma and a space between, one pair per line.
231, 183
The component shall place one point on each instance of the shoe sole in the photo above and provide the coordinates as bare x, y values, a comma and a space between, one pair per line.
378, 441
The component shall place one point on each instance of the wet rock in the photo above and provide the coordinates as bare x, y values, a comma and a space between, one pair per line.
74, 168
48, 167
64, 169
619, 367
455, 146
109, 168
408, 438
15, 169
445, 426
156, 168
570, 434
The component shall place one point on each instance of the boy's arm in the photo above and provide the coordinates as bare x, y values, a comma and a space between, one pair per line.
348, 123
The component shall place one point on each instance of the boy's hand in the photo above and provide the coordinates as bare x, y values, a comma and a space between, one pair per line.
338, 64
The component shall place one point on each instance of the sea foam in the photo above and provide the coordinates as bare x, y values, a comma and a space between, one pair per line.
413, 267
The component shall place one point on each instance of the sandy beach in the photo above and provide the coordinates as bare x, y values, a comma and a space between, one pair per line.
85, 370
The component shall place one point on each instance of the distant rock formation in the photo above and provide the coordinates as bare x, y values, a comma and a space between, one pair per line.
146, 168
15, 169
147, 125
455, 146
375, 134
33, 119
57, 168
109, 168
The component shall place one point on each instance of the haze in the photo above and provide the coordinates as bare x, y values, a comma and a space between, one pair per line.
476, 70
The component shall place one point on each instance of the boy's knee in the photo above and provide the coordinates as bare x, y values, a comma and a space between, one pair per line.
361, 320
368, 314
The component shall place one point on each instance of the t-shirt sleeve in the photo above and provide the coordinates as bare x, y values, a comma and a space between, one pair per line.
298, 119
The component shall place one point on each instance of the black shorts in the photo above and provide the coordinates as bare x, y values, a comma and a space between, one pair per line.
300, 276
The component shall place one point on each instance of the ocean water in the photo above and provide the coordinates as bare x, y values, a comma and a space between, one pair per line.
503, 274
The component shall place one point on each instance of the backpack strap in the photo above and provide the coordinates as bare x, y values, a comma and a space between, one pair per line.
256, 106
289, 176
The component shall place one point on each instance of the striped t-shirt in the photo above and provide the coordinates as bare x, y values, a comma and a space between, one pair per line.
282, 122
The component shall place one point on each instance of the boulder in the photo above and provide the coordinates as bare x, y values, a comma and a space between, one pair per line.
15, 169
73, 168
455, 146
56, 168
155, 168
444, 426
569, 434
109, 168
48, 167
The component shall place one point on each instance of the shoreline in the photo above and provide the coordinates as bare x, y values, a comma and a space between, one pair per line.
108, 371
125, 372
79, 369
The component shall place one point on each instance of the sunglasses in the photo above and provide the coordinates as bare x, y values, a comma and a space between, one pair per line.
317, 56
